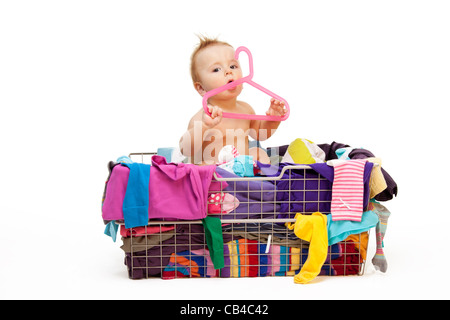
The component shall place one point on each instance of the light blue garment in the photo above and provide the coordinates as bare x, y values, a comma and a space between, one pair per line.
135, 202
243, 166
166, 153
340, 230
124, 159
111, 230
342, 153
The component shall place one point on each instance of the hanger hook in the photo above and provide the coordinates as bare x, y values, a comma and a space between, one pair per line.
250, 59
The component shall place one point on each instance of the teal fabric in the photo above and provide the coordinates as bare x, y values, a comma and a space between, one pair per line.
340, 230
243, 166
111, 230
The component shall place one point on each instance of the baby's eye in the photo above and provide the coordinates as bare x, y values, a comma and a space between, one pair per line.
234, 66
216, 70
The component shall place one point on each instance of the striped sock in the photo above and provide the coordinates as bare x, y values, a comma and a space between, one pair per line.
379, 260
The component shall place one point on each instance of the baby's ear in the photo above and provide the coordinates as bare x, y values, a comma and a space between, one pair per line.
198, 86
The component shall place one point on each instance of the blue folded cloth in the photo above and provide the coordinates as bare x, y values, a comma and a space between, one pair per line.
135, 202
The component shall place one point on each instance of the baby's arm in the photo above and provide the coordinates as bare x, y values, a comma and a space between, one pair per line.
202, 121
263, 130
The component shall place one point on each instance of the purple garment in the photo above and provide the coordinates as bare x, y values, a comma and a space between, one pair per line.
256, 198
308, 190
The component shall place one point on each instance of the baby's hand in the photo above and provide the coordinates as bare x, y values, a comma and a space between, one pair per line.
276, 108
214, 119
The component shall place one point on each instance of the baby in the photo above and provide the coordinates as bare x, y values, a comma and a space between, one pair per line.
213, 64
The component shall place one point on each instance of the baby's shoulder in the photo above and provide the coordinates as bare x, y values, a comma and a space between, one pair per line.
196, 117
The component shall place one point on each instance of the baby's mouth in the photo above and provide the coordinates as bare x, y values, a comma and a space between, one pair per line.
232, 87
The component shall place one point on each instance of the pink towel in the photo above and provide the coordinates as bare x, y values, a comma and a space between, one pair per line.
348, 190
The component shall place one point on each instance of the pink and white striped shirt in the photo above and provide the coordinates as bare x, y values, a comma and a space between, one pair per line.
348, 190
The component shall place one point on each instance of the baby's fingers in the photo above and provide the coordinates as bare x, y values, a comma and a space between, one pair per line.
276, 108
212, 111
216, 112
274, 102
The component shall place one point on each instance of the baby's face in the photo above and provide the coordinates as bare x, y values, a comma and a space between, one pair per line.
216, 66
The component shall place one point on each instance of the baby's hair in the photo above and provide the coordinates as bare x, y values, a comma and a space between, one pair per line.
204, 43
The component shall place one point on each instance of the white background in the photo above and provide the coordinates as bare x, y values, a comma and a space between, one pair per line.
84, 82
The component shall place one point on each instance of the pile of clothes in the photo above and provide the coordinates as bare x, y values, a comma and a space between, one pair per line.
211, 244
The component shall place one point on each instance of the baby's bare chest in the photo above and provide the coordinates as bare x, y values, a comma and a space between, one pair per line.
234, 127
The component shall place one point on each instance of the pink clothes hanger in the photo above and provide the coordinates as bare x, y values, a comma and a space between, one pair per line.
247, 79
